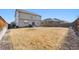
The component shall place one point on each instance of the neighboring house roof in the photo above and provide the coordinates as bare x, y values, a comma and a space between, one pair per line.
55, 20
24, 11
2, 22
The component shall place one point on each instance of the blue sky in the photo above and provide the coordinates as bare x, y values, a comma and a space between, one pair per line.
63, 14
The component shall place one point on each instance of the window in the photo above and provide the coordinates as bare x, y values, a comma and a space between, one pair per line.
38, 17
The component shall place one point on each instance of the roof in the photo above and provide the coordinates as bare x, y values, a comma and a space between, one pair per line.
24, 11
2, 19
55, 20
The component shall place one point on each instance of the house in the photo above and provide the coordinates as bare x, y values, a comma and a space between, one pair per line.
49, 22
25, 18
3, 27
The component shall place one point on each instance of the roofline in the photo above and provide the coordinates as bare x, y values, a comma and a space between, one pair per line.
3, 19
27, 12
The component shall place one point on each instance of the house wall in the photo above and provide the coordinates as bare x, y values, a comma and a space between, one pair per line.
2, 23
26, 22
29, 16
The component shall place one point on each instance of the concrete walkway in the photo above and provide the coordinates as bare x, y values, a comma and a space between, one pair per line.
5, 43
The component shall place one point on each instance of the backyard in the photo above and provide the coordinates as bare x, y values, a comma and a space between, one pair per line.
42, 38
37, 38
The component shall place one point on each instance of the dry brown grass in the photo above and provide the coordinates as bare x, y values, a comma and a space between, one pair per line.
37, 38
